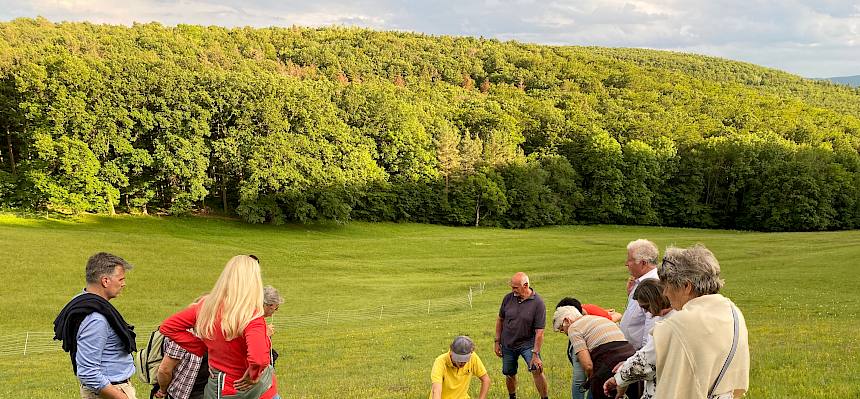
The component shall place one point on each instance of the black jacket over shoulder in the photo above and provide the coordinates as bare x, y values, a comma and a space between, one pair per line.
69, 320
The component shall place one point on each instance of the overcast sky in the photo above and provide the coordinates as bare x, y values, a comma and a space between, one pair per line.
812, 38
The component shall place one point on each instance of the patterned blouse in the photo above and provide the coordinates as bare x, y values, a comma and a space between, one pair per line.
642, 366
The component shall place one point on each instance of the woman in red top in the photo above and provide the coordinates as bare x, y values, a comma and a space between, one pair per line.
232, 329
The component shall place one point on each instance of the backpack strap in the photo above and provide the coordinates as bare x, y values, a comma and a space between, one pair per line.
731, 354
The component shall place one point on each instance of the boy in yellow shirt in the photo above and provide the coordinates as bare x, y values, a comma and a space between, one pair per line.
453, 370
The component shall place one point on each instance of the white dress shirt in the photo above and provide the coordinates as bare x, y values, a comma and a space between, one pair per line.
636, 322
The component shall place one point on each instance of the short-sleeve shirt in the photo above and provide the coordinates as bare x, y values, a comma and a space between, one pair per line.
185, 375
455, 381
595, 310
520, 319
588, 332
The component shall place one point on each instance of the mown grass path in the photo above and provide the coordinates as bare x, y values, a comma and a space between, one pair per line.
798, 291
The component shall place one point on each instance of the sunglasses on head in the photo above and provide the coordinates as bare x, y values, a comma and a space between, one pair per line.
667, 261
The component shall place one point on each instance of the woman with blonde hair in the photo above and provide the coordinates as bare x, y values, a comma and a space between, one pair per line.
231, 328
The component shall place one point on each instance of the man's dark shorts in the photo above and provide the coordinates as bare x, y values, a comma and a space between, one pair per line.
510, 359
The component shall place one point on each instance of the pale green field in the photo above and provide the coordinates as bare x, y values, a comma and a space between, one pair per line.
355, 324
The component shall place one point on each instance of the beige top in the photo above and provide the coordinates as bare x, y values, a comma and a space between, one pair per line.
588, 332
692, 346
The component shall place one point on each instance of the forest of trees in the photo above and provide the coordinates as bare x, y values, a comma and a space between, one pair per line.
297, 124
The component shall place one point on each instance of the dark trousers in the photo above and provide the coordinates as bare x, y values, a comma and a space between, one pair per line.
604, 358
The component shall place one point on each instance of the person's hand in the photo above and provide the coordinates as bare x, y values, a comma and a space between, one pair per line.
609, 385
160, 394
619, 394
497, 348
536, 363
270, 330
617, 366
630, 283
245, 383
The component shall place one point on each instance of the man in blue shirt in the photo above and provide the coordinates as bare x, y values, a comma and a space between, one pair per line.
98, 339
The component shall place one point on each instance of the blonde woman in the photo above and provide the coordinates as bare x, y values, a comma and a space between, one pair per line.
232, 330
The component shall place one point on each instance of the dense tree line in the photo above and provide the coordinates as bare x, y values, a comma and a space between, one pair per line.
299, 124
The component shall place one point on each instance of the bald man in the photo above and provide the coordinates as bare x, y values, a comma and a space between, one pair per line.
519, 333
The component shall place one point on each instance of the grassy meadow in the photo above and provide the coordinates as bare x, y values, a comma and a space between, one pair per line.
356, 324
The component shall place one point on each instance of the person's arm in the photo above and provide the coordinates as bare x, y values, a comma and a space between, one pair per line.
436, 390
92, 339
485, 386
638, 367
437, 374
176, 328
536, 362
497, 347
585, 361
165, 375
258, 346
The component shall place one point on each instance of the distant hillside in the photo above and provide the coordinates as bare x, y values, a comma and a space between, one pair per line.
853, 81
299, 124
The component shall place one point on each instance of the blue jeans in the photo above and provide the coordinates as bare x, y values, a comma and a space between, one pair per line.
578, 380
511, 356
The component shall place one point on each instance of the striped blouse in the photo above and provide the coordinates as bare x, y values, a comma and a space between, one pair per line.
589, 332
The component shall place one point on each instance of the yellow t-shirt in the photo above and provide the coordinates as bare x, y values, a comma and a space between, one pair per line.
455, 381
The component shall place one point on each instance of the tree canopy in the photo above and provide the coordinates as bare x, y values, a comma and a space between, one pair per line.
300, 124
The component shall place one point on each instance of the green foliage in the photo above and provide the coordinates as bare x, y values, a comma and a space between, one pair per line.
277, 125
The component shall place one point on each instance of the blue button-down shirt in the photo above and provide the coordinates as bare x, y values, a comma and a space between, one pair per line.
101, 356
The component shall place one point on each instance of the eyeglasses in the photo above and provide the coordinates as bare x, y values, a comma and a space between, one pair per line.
254, 257
562, 326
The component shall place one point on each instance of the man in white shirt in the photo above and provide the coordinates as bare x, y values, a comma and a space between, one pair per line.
642, 264
636, 323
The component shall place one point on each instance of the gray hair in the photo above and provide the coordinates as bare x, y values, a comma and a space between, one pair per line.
643, 249
104, 264
695, 265
564, 312
271, 296
463, 345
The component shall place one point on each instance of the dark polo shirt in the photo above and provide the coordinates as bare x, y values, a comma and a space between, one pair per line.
520, 319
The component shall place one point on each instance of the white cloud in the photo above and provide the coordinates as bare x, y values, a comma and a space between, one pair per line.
809, 37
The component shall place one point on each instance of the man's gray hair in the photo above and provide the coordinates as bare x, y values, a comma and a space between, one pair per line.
271, 296
643, 249
463, 345
696, 265
104, 264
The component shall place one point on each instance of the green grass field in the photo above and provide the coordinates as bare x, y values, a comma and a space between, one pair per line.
356, 324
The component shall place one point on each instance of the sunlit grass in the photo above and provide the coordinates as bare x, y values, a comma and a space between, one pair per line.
370, 281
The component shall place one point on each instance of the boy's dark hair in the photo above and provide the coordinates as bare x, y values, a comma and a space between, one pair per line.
570, 301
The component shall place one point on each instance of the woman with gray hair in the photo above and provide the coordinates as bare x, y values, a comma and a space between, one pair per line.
702, 350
